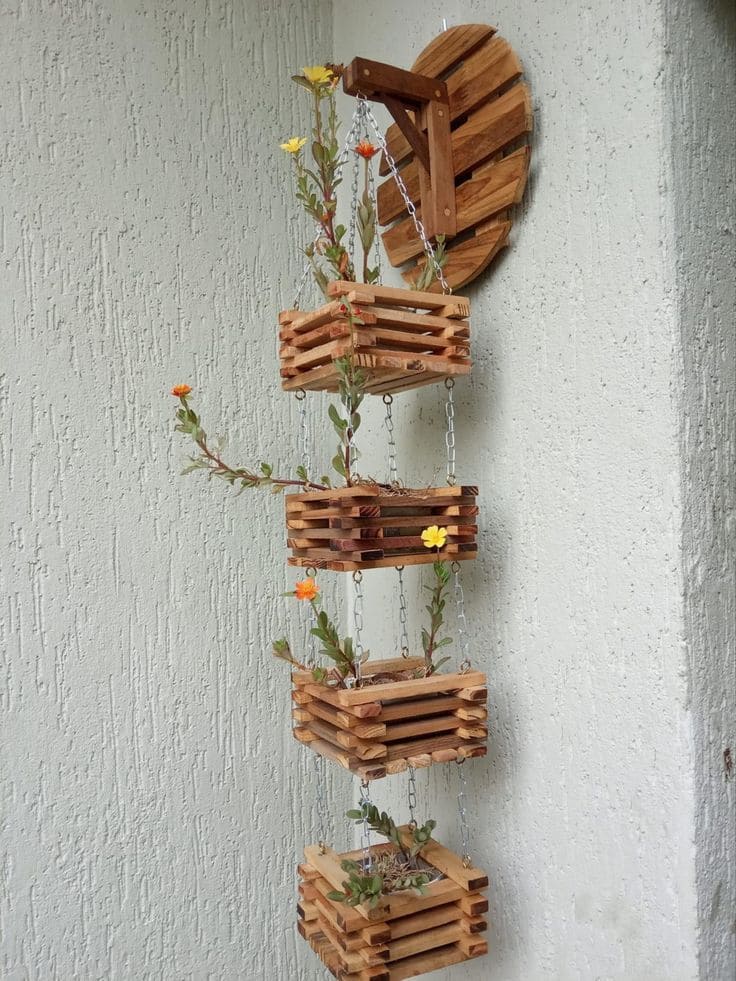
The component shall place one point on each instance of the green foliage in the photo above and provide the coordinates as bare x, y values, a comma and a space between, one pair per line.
282, 650
342, 652
428, 274
209, 459
389, 873
384, 825
351, 390
316, 188
436, 609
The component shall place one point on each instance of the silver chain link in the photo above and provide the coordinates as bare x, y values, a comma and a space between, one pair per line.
408, 203
301, 397
377, 238
462, 622
365, 831
358, 622
403, 613
412, 794
393, 474
450, 434
319, 772
463, 813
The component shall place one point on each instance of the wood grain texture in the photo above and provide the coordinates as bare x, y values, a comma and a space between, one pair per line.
141, 798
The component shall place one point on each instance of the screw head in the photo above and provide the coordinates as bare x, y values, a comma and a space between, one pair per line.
366, 71
447, 212
438, 93
440, 113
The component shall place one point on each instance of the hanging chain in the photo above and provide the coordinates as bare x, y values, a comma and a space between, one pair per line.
358, 622
402, 613
319, 772
351, 438
412, 798
463, 813
341, 160
409, 204
462, 622
450, 434
365, 831
393, 474
301, 397
359, 124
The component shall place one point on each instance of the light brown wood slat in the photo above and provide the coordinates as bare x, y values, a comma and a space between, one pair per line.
451, 46
408, 689
417, 943
469, 258
454, 307
493, 127
419, 323
409, 708
412, 749
450, 864
432, 960
480, 77
494, 188
407, 925
435, 724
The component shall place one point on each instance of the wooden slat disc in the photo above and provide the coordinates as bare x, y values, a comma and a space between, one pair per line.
490, 108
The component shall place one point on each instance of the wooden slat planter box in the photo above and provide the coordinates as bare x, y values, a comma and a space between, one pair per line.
406, 935
408, 339
384, 728
371, 527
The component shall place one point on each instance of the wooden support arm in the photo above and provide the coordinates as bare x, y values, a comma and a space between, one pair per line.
428, 98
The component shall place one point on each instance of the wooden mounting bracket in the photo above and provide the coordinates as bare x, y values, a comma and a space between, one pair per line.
428, 133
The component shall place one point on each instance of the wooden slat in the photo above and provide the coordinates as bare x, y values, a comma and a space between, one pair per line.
480, 77
492, 128
451, 46
450, 864
492, 189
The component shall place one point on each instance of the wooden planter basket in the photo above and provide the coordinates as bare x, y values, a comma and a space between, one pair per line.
384, 728
371, 527
406, 935
408, 339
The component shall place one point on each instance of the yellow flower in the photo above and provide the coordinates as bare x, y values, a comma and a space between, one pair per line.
294, 145
317, 75
434, 537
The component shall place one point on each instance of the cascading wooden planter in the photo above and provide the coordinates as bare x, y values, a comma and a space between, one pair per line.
369, 526
407, 934
407, 339
384, 727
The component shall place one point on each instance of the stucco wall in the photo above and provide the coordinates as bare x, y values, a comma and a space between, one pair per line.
150, 792
605, 790
153, 803
701, 88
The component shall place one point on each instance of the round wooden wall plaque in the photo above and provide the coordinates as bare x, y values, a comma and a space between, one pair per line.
491, 116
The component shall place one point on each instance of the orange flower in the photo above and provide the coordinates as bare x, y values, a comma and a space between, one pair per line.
307, 589
181, 390
366, 149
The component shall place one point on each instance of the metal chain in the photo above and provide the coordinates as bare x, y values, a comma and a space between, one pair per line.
463, 814
319, 772
462, 622
408, 203
359, 117
365, 831
450, 434
341, 160
351, 438
358, 621
412, 790
301, 397
402, 613
393, 474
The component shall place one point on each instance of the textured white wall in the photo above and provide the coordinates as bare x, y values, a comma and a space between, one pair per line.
701, 86
149, 788
611, 694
